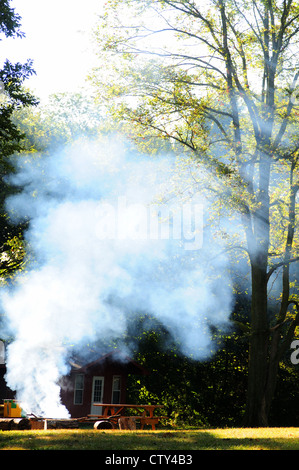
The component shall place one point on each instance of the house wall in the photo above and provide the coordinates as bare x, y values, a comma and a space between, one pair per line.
68, 384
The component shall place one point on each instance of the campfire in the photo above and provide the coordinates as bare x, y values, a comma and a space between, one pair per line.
13, 417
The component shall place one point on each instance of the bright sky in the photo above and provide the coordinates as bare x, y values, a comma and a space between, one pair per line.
58, 39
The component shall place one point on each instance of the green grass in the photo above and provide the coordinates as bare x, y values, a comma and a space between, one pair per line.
204, 439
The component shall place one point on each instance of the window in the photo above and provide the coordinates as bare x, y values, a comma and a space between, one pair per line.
116, 385
2, 353
78, 392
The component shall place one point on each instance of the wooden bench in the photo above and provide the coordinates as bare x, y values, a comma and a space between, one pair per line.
151, 421
114, 413
129, 422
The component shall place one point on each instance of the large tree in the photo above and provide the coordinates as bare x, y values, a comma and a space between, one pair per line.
220, 79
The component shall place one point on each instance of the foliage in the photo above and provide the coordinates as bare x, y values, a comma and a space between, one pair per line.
206, 392
12, 256
63, 119
12, 76
12, 97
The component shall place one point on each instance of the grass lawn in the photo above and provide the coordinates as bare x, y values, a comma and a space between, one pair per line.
159, 441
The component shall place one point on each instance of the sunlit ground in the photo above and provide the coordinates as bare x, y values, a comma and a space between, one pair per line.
204, 439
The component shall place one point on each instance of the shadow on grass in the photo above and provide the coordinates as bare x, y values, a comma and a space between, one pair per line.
138, 441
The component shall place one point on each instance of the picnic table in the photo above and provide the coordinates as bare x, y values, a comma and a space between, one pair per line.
145, 414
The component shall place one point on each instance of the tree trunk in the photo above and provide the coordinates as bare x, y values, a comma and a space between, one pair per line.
258, 244
272, 370
256, 412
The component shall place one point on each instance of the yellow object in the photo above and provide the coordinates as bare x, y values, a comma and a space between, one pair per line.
12, 409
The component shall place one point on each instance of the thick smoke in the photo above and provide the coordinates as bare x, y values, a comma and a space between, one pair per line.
104, 248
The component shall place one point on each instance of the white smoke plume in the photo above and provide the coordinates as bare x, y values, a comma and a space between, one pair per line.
100, 253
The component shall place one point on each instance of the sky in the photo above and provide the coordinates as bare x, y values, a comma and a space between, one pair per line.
58, 39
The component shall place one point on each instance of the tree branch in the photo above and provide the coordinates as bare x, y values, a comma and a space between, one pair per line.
290, 106
278, 265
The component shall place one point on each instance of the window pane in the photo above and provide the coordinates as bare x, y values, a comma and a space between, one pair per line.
78, 393
116, 390
78, 397
116, 397
79, 381
116, 383
97, 391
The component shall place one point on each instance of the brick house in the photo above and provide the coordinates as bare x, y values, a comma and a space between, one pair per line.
103, 380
